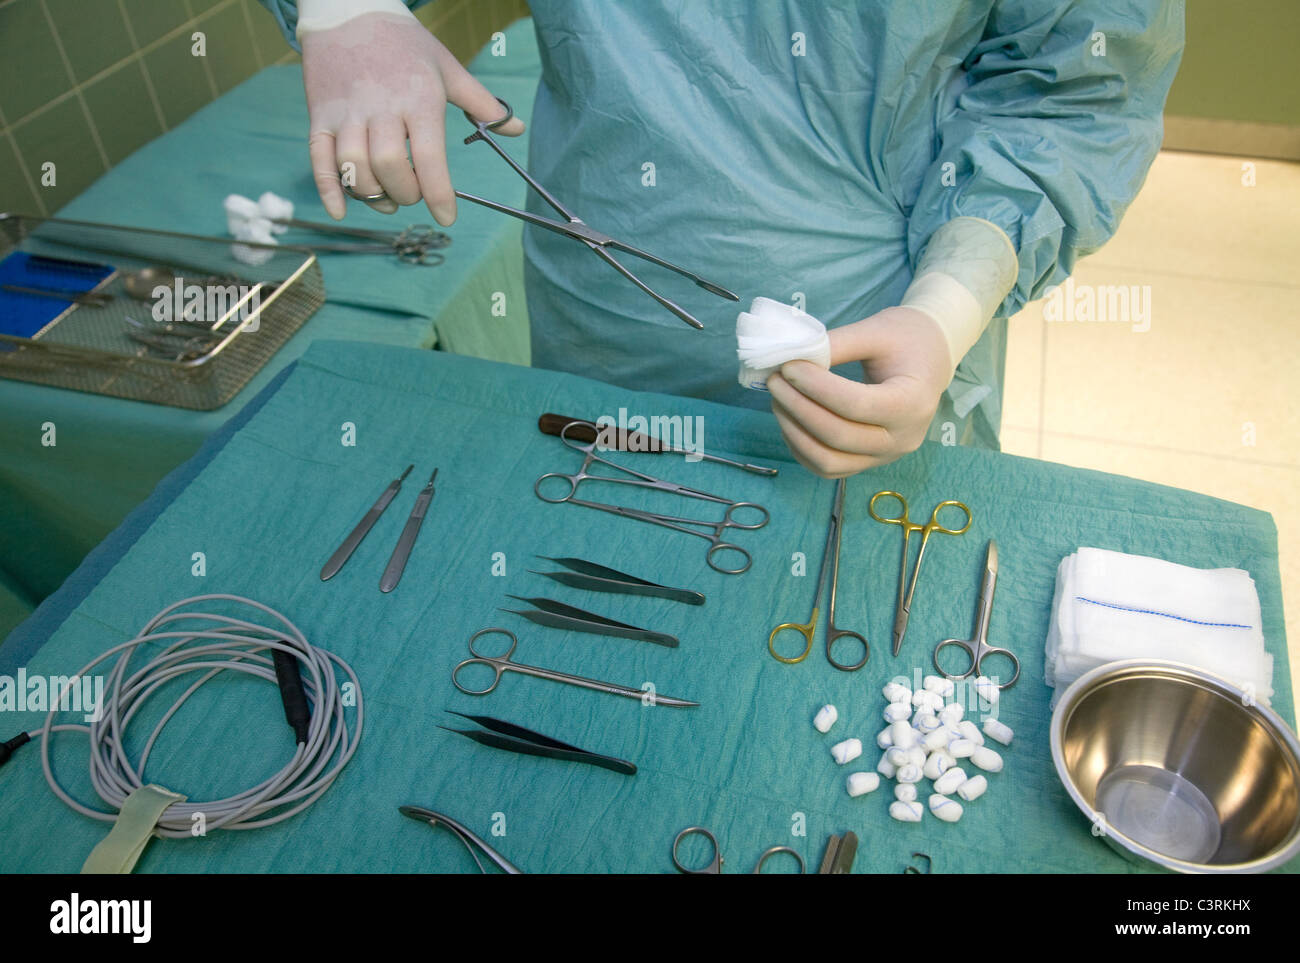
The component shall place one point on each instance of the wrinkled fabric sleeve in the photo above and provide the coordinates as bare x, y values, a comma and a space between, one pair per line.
286, 15
1050, 136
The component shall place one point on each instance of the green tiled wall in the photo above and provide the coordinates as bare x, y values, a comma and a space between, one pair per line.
83, 83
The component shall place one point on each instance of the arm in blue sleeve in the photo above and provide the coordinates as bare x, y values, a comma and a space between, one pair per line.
286, 15
1053, 133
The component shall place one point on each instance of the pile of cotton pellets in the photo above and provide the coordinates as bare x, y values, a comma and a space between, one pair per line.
927, 737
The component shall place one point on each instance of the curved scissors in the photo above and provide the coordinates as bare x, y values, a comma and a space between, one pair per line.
807, 629
716, 540
978, 647
501, 664
904, 609
714, 865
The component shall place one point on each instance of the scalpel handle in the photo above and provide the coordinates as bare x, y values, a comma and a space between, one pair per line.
397, 563
344, 551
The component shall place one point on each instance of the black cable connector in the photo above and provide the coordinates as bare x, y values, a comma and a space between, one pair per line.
292, 694
17, 742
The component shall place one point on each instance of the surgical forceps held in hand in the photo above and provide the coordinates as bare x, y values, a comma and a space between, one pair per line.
676, 523
978, 647
501, 664
573, 226
714, 866
906, 591
830, 553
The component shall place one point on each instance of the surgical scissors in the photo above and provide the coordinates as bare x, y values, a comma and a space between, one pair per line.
716, 540
832, 553
501, 664
714, 866
906, 591
978, 648
574, 227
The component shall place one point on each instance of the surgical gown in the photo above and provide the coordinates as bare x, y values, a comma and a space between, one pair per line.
807, 151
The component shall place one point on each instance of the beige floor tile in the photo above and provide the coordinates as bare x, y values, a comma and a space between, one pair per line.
1195, 217
1273, 488
1020, 441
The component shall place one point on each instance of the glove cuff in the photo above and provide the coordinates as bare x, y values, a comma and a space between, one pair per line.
317, 15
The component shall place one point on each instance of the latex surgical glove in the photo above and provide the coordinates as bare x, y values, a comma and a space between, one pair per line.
373, 83
836, 426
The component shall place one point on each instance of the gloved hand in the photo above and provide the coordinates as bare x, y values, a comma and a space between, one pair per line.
837, 427
373, 83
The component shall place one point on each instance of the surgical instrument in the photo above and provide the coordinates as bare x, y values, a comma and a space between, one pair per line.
405, 542
344, 551
557, 615
573, 226
714, 865
907, 591
978, 648
913, 871
626, 440
501, 664
95, 299
839, 856
598, 578
830, 553
468, 839
718, 529
513, 738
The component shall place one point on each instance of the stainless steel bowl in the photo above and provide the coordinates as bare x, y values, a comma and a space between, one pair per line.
1174, 765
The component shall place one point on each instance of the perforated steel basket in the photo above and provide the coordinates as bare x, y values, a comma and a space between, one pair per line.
128, 346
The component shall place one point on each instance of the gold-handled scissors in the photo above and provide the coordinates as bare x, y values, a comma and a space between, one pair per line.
978, 648
906, 588
833, 634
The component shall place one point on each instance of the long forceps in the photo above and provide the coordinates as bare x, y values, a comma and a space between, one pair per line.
717, 530
714, 865
807, 629
978, 648
573, 226
906, 590
501, 664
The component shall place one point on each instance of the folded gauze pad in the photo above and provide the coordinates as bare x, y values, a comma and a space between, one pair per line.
771, 333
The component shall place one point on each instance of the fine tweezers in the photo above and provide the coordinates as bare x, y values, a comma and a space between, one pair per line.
344, 551
513, 738
557, 615
598, 578
574, 227
406, 541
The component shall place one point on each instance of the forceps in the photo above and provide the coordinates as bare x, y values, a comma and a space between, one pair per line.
830, 552
906, 591
501, 664
718, 530
714, 866
978, 647
573, 226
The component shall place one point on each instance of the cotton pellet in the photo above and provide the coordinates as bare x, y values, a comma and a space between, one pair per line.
886, 768
897, 712
898, 758
986, 759
884, 738
905, 792
961, 748
938, 739
861, 783
909, 773
906, 812
987, 690
939, 685
951, 781
952, 713
825, 718
973, 788
917, 755
926, 722
897, 692
968, 730
927, 701
846, 751
949, 810
998, 730
903, 734
937, 764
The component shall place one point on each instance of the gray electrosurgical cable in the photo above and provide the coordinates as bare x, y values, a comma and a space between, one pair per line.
220, 643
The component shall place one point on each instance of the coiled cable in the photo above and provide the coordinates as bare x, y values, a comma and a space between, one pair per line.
198, 641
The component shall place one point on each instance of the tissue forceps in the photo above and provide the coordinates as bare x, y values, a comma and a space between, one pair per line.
977, 648
715, 537
830, 553
906, 591
573, 226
